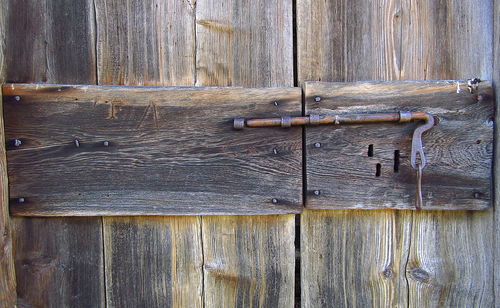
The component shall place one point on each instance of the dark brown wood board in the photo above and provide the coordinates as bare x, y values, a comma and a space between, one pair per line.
166, 153
342, 161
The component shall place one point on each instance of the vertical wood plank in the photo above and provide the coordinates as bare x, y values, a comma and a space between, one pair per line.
244, 44
496, 84
149, 261
53, 41
351, 258
413, 40
249, 261
8, 295
451, 253
153, 262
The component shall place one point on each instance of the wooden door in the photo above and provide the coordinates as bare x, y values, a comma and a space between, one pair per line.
319, 258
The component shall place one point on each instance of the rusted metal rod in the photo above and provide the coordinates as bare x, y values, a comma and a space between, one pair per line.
417, 153
361, 118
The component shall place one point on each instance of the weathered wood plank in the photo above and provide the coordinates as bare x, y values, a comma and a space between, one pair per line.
341, 268
340, 40
53, 41
50, 41
8, 295
249, 261
170, 28
496, 83
167, 257
244, 44
237, 271
368, 166
451, 254
145, 42
392, 55
61, 257
166, 152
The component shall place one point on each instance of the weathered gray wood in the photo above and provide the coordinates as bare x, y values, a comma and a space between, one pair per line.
61, 257
166, 152
244, 44
459, 148
237, 271
7, 272
165, 264
381, 40
58, 261
156, 42
496, 83
249, 261
145, 42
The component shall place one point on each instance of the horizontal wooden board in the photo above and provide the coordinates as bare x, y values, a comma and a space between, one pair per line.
459, 148
150, 151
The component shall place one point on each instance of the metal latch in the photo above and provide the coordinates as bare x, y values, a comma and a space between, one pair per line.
417, 158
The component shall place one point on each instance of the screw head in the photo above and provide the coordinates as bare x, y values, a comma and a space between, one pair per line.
105, 143
20, 200
17, 98
317, 99
275, 201
317, 145
317, 192
17, 142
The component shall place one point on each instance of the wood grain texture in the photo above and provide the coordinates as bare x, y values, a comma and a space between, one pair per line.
244, 44
145, 42
402, 28
451, 254
171, 62
249, 261
459, 148
50, 41
357, 271
167, 154
58, 261
248, 269
8, 294
496, 83
163, 270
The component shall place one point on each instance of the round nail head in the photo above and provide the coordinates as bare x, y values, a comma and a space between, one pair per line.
317, 145
275, 201
17, 98
317, 99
